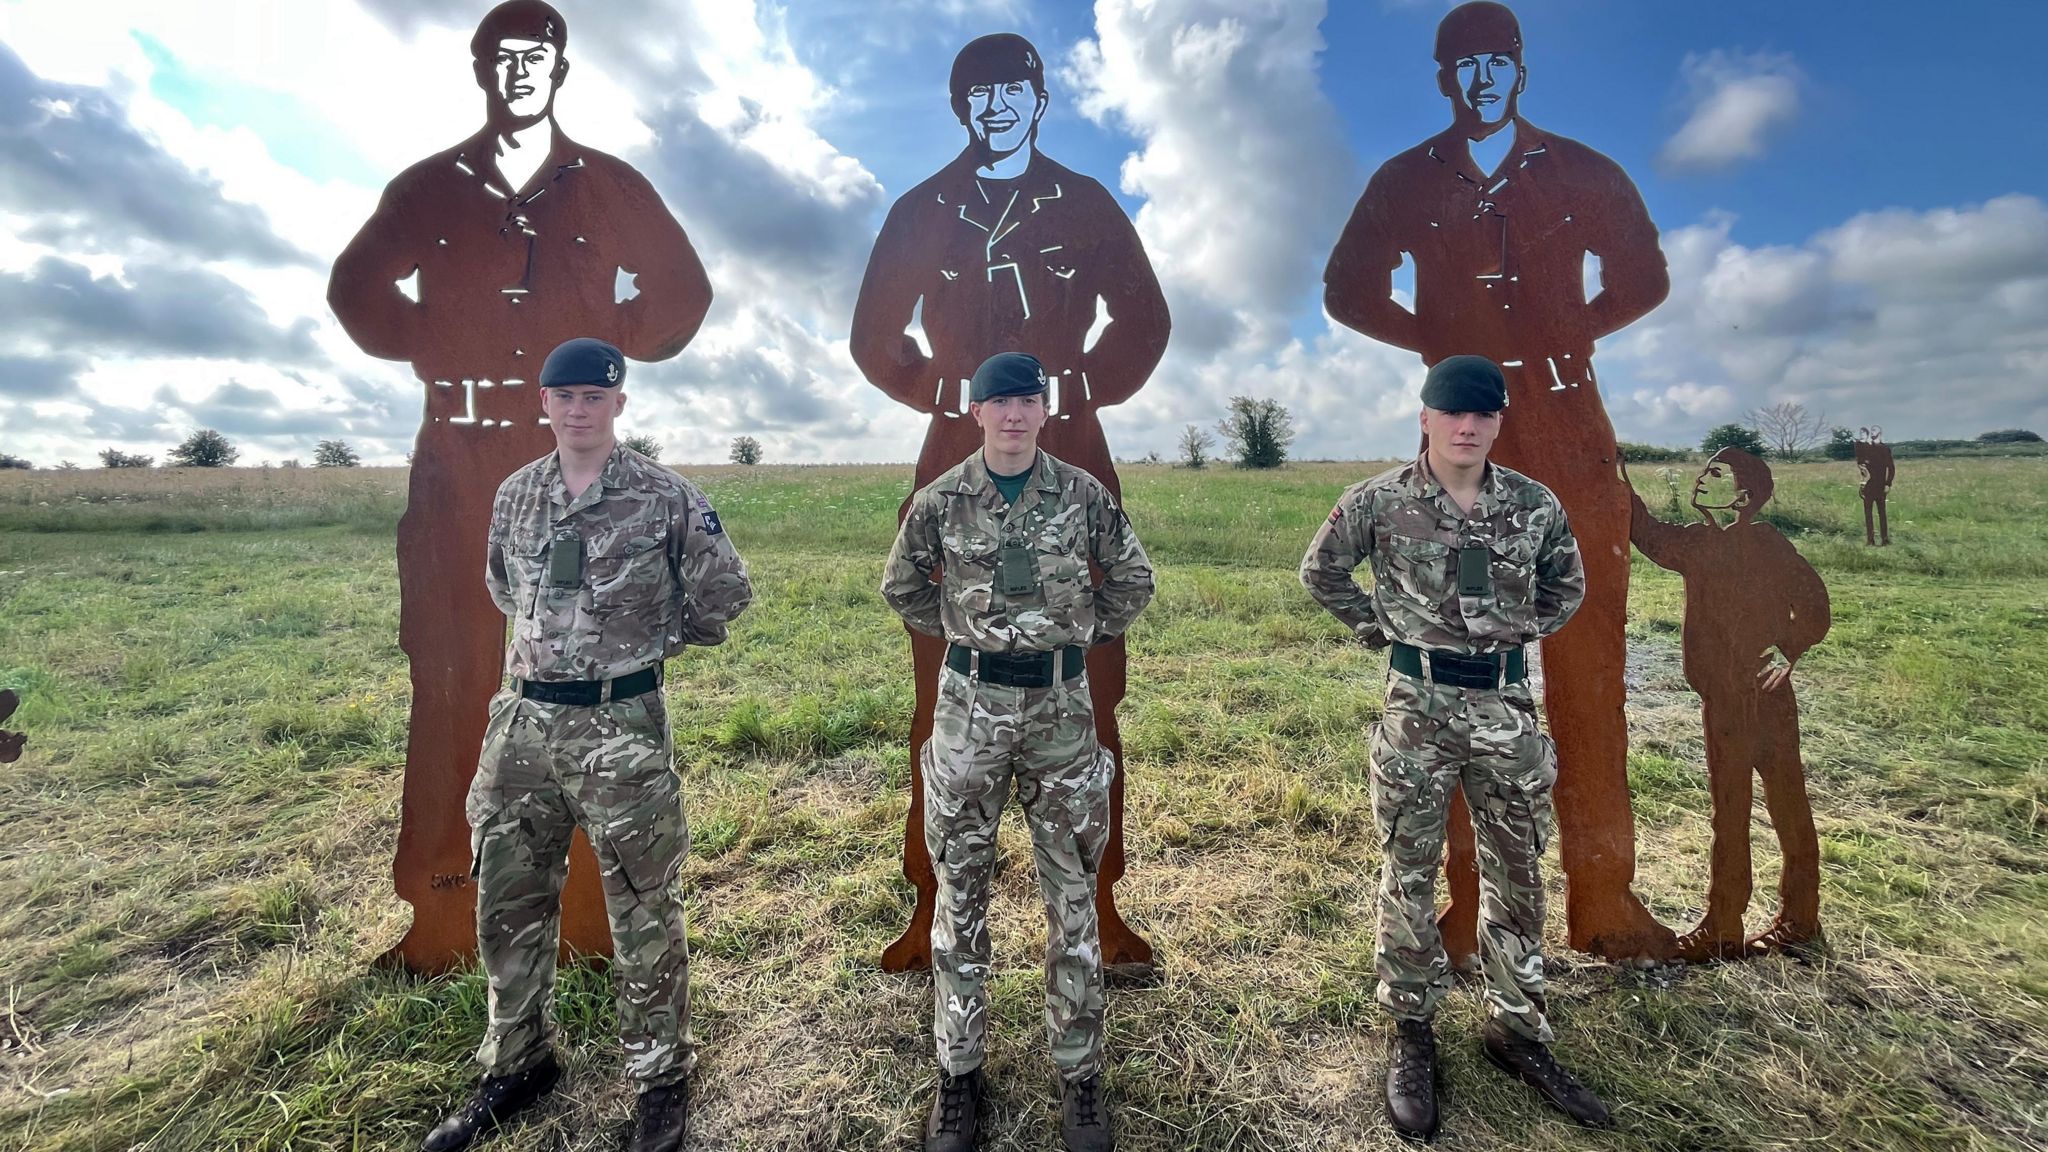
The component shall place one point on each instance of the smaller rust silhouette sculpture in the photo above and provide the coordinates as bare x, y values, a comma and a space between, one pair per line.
1006, 250
1875, 472
11, 743
1750, 599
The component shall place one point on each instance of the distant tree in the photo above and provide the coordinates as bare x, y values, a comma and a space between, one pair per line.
746, 450
115, 458
290, 462
66, 466
1786, 427
1651, 454
1258, 432
335, 454
1841, 444
644, 444
2010, 436
204, 449
1734, 436
8, 460
1194, 446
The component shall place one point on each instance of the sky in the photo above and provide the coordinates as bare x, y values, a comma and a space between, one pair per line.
1854, 209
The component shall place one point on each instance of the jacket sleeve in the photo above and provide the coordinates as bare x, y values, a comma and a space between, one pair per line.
907, 577
496, 578
1126, 571
1560, 577
1341, 544
710, 575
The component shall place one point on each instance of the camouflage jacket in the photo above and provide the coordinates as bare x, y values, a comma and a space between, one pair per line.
1408, 527
658, 570
1064, 518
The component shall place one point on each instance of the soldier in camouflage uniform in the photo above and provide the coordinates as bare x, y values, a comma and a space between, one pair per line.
1014, 531
1470, 562
607, 564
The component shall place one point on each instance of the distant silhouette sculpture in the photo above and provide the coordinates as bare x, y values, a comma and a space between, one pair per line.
1005, 250
1748, 592
1499, 218
512, 241
11, 743
1875, 472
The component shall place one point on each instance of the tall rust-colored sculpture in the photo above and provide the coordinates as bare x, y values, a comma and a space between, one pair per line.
1875, 472
1748, 594
1005, 250
1499, 217
512, 241
11, 743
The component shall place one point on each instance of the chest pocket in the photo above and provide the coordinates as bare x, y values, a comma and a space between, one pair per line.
1062, 548
526, 563
1513, 560
625, 573
970, 567
1421, 569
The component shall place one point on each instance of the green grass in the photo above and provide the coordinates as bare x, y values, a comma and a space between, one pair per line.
195, 853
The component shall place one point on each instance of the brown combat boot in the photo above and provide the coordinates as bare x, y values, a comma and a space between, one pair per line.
1411, 1080
956, 1114
1531, 1062
1084, 1119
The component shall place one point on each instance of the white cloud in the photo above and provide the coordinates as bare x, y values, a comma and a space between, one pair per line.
1927, 323
1737, 100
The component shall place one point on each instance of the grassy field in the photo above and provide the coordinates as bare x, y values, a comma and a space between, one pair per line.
194, 854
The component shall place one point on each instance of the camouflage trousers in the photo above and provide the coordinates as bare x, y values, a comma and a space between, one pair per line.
545, 770
1434, 738
985, 737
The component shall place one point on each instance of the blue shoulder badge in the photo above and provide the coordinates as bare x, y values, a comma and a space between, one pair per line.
711, 525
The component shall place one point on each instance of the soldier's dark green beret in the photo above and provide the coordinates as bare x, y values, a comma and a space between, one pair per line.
583, 361
1007, 374
1465, 384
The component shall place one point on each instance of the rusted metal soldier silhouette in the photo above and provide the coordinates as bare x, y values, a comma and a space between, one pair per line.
1875, 472
1005, 250
1499, 217
1747, 592
11, 743
514, 241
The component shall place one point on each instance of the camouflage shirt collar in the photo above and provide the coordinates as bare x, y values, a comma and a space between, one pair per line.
974, 474
1493, 488
610, 478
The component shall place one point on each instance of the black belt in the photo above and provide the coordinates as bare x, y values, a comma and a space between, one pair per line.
1015, 669
1460, 669
590, 693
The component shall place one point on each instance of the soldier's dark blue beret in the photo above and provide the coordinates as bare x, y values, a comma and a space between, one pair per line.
583, 361
1465, 384
1007, 374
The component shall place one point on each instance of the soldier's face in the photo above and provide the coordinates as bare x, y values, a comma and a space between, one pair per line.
1010, 424
1716, 489
1003, 115
1486, 86
1461, 438
582, 415
523, 77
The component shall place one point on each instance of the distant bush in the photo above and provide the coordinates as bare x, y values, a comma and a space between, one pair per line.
644, 444
1652, 454
10, 461
2010, 436
1734, 436
205, 448
1258, 432
746, 450
115, 458
334, 454
1841, 445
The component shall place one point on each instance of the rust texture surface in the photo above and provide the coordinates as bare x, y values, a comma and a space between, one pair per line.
11, 743
478, 261
1753, 607
1500, 220
1006, 250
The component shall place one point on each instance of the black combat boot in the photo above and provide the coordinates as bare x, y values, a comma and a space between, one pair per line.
956, 1114
1084, 1119
659, 1118
1411, 1080
496, 1100
1531, 1061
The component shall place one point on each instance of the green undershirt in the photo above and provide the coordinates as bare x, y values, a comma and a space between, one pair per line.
1012, 486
